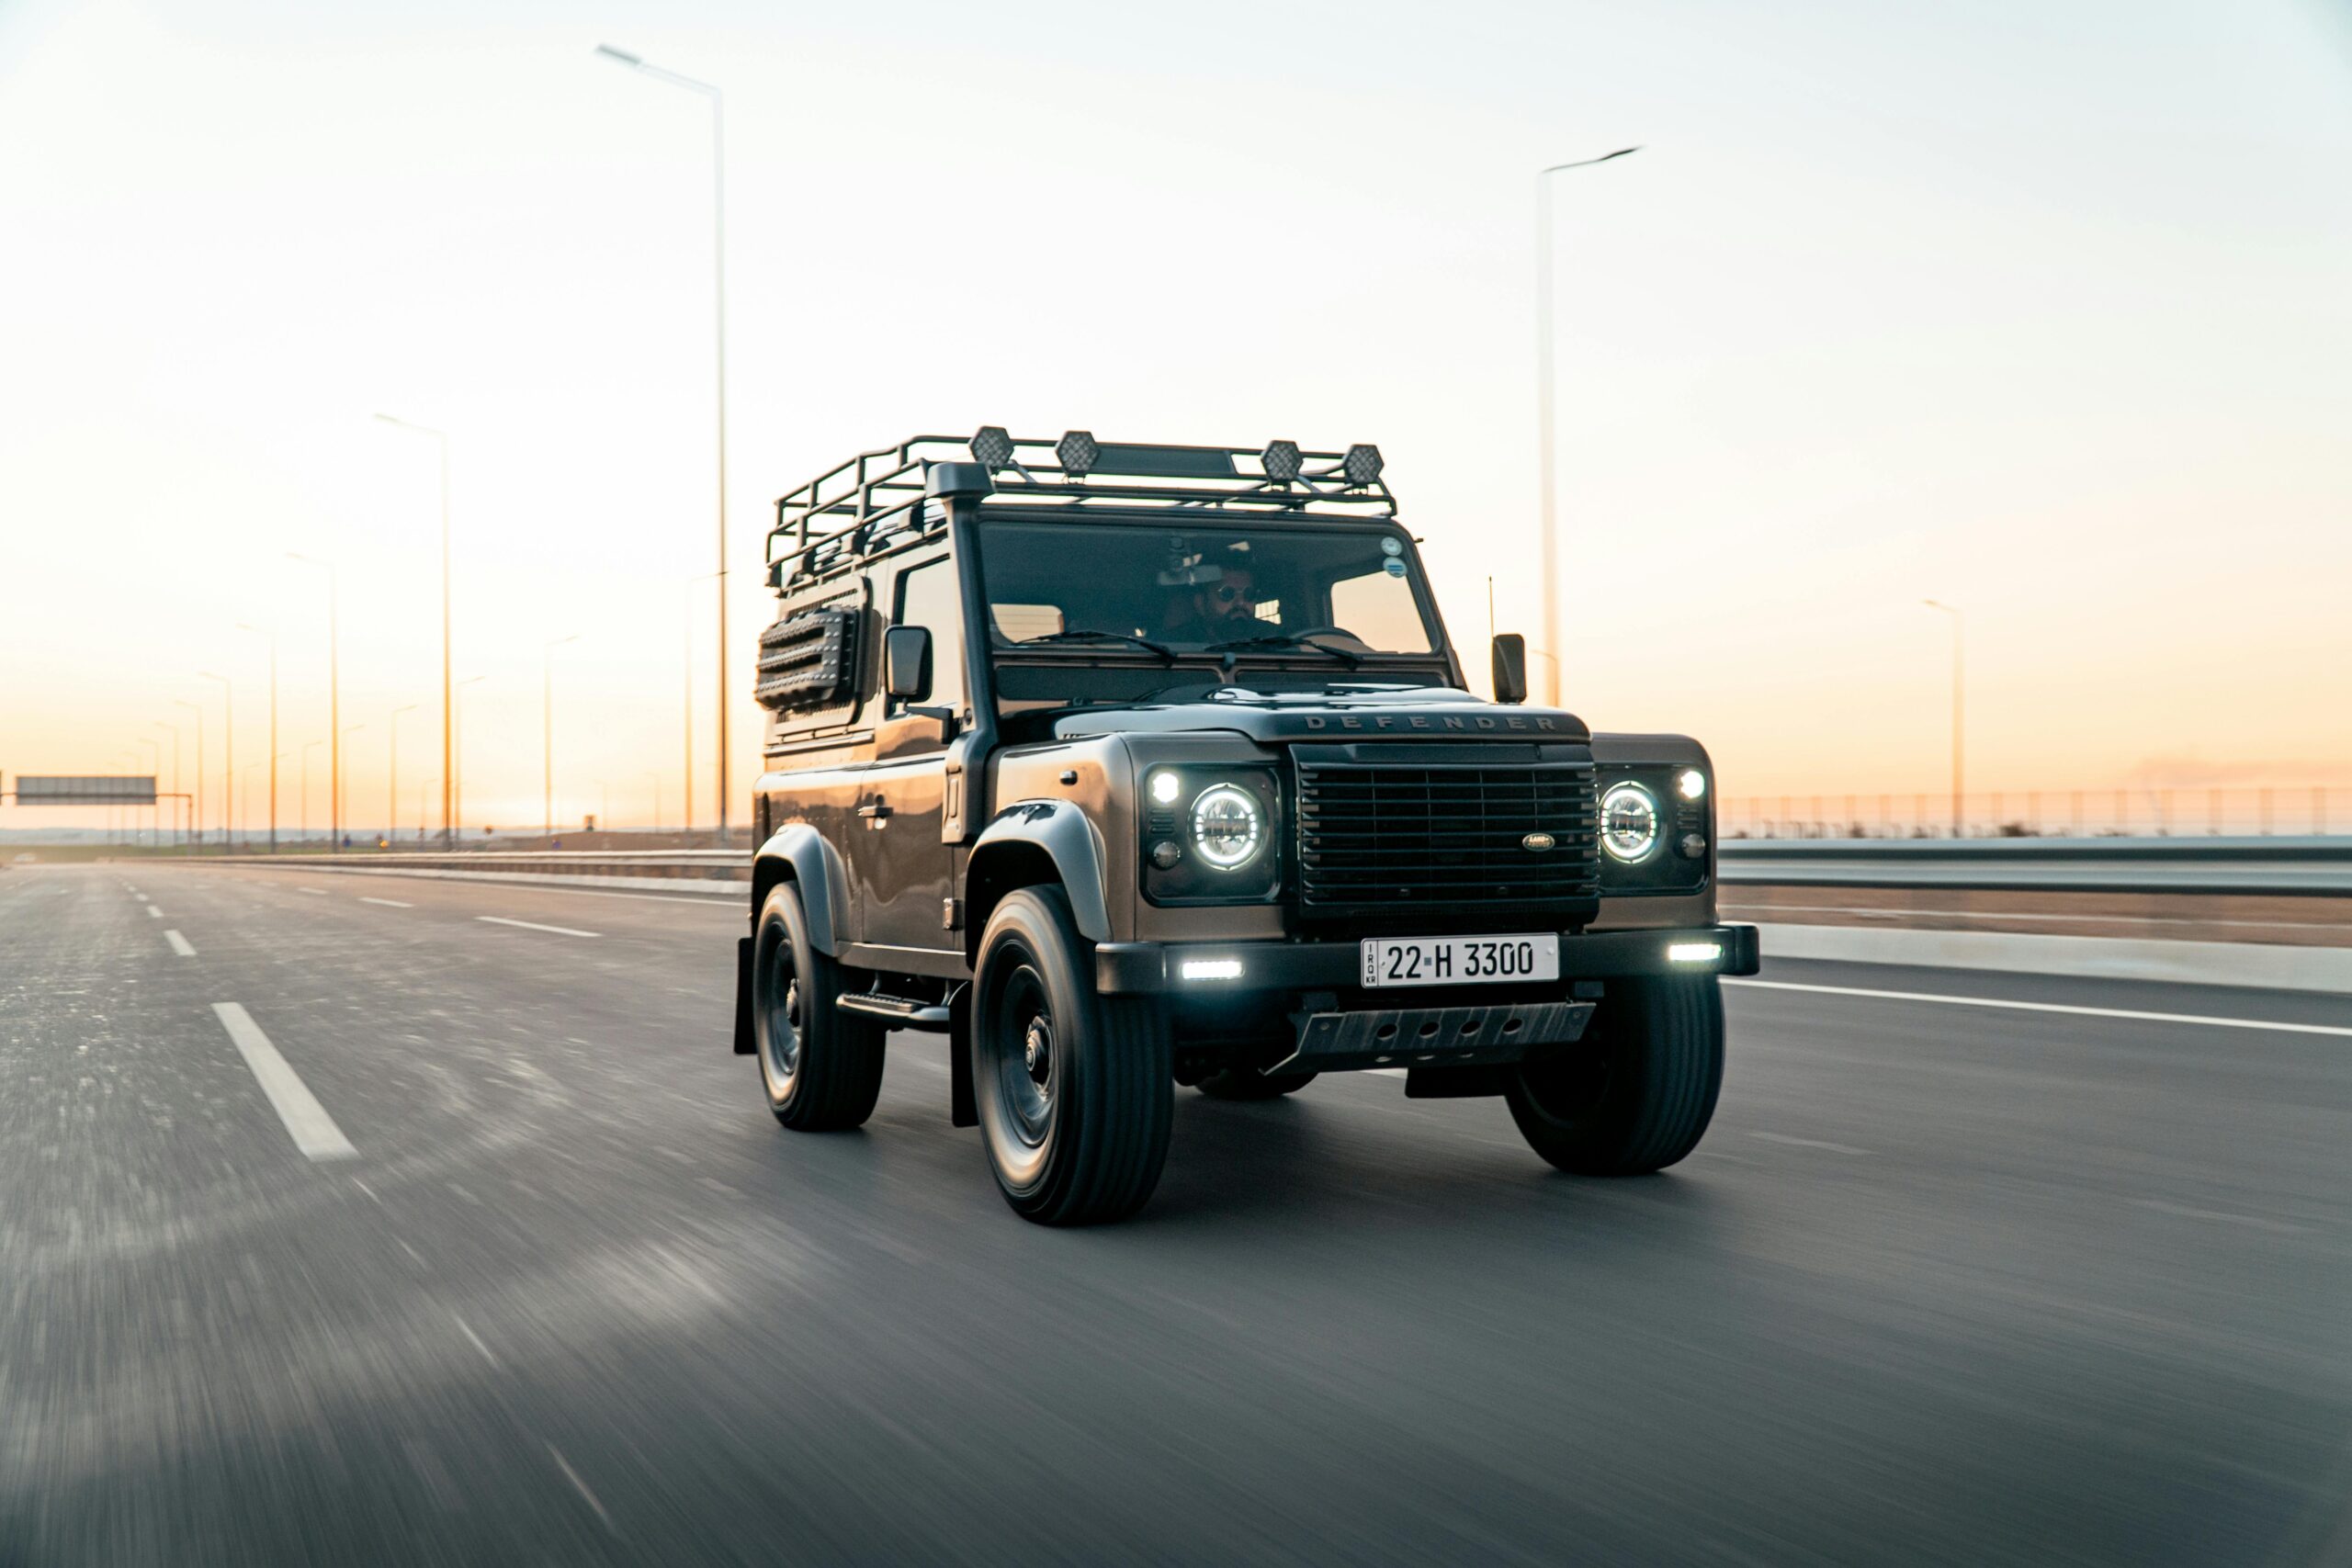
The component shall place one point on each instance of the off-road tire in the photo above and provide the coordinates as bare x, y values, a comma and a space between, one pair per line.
1242, 1082
1084, 1140
1636, 1093
825, 1077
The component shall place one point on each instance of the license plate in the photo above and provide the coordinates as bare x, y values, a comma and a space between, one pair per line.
1460, 960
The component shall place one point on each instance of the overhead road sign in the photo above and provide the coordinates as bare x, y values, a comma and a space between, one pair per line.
86, 789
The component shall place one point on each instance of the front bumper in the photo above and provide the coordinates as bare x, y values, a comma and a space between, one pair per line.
1148, 968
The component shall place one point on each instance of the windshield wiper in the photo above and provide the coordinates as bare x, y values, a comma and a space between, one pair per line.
1293, 639
1166, 655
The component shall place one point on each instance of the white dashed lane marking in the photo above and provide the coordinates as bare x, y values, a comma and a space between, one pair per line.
314, 1131
388, 903
153, 913
534, 926
179, 945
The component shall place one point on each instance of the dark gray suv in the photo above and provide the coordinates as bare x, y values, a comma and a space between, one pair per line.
1135, 766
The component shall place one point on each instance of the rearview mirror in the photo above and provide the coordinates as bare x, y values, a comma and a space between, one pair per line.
1511, 668
906, 662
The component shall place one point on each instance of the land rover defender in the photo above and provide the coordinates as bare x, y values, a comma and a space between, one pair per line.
1130, 766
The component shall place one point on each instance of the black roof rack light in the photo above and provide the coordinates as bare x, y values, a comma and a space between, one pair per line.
876, 499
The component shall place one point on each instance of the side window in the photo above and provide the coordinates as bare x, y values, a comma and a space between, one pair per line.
928, 597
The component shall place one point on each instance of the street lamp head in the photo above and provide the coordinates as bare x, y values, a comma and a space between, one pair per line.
623, 56
1620, 152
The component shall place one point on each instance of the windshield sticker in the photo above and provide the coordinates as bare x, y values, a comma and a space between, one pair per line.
1394, 567
1392, 545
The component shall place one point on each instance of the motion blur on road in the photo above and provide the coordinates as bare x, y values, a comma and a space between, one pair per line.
385, 1219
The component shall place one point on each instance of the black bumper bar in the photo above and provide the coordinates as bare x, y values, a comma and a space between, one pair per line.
1132, 969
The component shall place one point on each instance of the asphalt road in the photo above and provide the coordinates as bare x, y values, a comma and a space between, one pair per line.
1946, 1283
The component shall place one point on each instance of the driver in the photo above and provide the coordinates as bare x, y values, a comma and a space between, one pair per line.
1220, 611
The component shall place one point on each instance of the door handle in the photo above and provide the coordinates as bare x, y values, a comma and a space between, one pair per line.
874, 811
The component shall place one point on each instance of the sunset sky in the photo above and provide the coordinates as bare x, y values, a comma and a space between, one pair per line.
2043, 311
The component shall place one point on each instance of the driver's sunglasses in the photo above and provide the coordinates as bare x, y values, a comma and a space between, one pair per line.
1226, 593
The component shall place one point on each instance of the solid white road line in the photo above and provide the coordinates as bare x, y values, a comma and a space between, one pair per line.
388, 903
533, 926
179, 945
314, 1131
2190, 1017
153, 913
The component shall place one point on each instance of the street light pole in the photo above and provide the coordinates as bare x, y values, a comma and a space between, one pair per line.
271, 633
719, 269
334, 712
458, 757
1959, 776
546, 731
448, 732
163, 724
229, 765
156, 762
1544, 417
306, 786
392, 786
196, 814
342, 807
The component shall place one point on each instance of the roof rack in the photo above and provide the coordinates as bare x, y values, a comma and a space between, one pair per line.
876, 499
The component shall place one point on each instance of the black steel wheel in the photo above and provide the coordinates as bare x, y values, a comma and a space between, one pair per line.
821, 1068
1073, 1089
1636, 1093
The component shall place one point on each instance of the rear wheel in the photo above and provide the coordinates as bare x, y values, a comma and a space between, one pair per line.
1073, 1088
821, 1068
1637, 1092
1240, 1082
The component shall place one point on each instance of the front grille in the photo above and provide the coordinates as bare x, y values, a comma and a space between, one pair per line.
1393, 831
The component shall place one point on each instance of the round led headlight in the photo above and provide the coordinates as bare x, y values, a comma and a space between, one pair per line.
1227, 826
1628, 822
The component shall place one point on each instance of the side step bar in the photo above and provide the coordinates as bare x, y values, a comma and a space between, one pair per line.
929, 1017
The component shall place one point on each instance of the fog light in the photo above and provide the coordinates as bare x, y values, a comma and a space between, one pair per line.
1210, 969
1691, 782
1694, 846
1166, 854
1693, 951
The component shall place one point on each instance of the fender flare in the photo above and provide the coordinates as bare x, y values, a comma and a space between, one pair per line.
1065, 838
797, 852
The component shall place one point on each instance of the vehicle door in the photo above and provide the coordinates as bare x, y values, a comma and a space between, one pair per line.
905, 870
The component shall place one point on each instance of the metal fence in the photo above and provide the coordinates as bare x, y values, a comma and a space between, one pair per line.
2257, 812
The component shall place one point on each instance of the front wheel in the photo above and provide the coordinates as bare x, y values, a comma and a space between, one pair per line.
1636, 1093
1073, 1088
821, 1068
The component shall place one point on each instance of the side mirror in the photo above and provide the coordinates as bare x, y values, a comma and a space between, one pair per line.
1511, 668
906, 662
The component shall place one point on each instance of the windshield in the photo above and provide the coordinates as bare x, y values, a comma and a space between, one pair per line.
1163, 590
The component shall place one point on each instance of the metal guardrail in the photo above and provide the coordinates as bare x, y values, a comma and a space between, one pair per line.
2318, 867
690, 865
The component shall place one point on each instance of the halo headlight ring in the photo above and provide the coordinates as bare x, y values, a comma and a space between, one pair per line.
1228, 827
1629, 822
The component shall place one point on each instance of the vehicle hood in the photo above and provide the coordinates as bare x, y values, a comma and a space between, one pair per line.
1428, 713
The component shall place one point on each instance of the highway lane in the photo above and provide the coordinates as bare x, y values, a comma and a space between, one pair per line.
1945, 1284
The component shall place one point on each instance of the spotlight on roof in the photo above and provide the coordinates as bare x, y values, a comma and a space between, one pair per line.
1279, 460
1078, 452
992, 446
1362, 465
